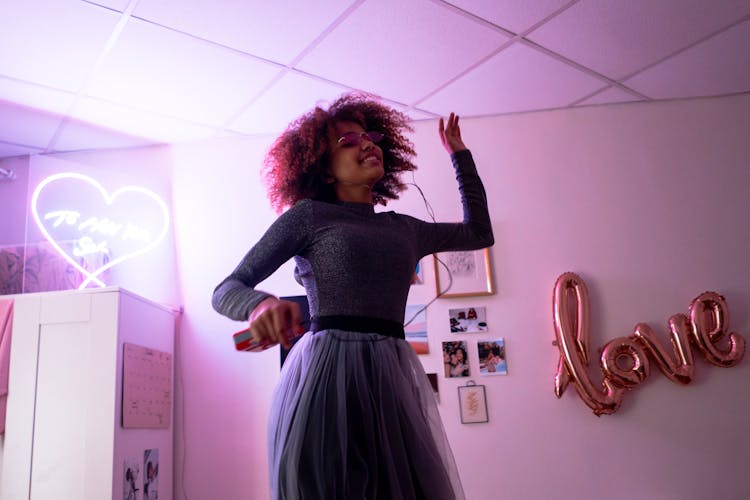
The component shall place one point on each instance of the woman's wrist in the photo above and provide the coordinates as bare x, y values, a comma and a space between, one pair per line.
262, 306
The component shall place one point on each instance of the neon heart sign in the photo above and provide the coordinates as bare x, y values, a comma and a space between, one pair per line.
85, 223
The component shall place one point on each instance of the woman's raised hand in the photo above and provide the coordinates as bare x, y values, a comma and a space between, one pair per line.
276, 321
450, 134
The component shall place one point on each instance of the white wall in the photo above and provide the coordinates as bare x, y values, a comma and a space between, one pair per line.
647, 202
221, 410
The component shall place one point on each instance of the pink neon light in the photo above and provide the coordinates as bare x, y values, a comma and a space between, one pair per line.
109, 199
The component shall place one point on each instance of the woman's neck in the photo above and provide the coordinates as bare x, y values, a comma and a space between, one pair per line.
354, 193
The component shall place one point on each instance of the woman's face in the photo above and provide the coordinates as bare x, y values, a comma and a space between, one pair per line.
460, 355
356, 161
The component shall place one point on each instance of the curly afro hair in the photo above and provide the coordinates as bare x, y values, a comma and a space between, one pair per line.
297, 163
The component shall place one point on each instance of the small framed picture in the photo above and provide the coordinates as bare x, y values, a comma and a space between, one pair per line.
418, 276
463, 274
492, 357
131, 480
468, 320
151, 474
456, 359
432, 377
472, 401
415, 329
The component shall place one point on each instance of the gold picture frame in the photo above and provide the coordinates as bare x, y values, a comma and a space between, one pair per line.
472, 403
463, 273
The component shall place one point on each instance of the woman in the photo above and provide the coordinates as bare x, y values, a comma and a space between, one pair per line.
460, 368
353, 415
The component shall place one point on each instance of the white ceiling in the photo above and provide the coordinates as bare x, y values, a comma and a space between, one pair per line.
77, 74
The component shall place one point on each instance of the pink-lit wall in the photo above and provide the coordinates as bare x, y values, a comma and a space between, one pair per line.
13, 202
647, 202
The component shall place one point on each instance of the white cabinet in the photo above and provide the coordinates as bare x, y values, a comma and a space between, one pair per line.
64, 435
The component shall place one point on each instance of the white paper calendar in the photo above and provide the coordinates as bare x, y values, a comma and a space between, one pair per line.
146, 387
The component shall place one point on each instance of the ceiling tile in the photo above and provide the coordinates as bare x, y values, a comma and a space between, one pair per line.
54, 43
154, 127
293, 95
609, 96
27, 126
156, 69
79, 136
119, 5
30, 95
517, 79
416, 114
8, 150
720, 65
618, 37
401, 49
251, 26
511, 15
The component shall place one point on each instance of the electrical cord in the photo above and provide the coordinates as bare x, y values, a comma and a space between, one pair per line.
431, 213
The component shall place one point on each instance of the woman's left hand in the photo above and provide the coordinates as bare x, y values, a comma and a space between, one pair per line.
450, 134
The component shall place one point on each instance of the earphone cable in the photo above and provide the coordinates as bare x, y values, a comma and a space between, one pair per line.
431, 213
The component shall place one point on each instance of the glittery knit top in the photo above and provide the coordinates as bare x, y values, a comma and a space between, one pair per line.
352, 260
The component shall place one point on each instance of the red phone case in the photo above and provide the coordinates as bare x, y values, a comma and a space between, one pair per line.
243, 341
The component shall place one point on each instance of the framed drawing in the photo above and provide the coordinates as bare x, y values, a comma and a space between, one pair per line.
472, 403
463, 274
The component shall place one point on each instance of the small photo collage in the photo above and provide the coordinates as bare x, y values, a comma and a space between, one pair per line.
491, 352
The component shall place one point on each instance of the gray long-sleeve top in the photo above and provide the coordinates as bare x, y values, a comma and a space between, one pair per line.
352, 260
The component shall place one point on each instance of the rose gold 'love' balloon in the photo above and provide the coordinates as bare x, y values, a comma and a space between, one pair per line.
625, 361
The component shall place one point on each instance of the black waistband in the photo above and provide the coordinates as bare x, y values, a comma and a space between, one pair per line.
362, 324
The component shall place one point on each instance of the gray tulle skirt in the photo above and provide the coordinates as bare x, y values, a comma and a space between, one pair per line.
354, 417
